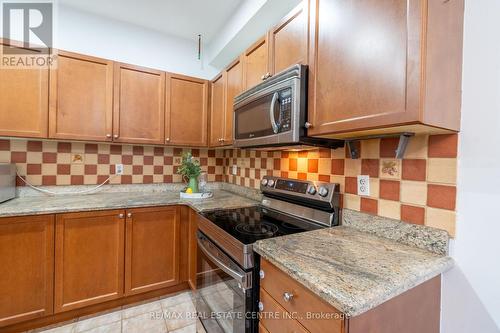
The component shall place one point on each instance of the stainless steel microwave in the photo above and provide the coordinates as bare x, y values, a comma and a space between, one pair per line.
274, 113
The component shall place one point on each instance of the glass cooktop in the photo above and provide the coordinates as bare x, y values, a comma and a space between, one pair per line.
250, 224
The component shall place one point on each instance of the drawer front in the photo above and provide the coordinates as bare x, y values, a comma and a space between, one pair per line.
312, 312
276, 319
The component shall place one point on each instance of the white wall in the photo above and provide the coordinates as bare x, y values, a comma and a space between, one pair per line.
471, 291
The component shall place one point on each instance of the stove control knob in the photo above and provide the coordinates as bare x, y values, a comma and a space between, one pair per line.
263, 182
270, 182
323, 191
311, 190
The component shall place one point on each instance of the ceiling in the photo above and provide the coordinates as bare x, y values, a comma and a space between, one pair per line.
181, 18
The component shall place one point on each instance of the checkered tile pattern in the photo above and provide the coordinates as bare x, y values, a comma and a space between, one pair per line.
75, 163
419, 189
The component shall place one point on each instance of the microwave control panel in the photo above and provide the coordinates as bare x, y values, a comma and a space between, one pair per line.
285, 100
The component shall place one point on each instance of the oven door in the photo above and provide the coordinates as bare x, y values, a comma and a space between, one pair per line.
224, 296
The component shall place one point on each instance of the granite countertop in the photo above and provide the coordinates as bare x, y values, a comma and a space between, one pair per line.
353, 270
36, 205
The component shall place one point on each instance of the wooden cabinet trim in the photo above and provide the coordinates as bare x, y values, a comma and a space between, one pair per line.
217, 117
261, 42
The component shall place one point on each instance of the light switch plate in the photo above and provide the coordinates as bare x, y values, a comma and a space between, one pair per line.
364, 185
234, 170
119, 169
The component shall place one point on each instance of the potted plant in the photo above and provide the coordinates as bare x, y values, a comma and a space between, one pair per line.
190, 170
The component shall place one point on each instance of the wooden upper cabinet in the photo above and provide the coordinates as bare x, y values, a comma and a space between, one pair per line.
139, 105
81, 98
89, 258
288, 40
255, 63
24, 100
187, 111
27, 259
218, 109
373, 66
152, 249
234, 86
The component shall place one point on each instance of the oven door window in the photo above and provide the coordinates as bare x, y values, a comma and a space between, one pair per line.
254, 119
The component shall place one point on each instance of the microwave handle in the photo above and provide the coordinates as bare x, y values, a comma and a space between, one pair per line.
271, 113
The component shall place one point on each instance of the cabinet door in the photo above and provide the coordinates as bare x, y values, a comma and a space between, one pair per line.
27, 261
255, 63
89, 258
152, 249
187, 111
81, 98
139, 105
24, 101
217, 112
288, 41
234, 86
364, 64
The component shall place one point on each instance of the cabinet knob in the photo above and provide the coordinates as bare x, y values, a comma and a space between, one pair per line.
308, 125
120, 216
129, 215
262, 274
167, 140
287, 297
108, 136
116, 136
261, 306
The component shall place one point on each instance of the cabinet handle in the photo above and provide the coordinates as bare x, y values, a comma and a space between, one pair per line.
308, 125
120, 216
129, 215
287, 297
262, 274
108, 136
261, 306
116, 136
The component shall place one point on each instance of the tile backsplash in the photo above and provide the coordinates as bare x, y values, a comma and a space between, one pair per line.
419, 189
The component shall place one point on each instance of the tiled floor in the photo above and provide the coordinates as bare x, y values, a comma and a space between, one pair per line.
174, 314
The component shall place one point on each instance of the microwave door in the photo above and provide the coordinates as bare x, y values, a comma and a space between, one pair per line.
257, 119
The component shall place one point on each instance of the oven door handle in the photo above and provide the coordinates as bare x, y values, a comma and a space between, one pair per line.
243, 278
271, 113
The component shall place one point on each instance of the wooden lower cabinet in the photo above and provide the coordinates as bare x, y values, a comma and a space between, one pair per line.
152, 249
27, 268
89, 258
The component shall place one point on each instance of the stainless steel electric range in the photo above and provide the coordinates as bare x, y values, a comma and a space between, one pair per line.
227, 281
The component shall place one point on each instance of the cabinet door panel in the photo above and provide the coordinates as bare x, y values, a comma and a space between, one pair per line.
27, 278
365, 64
288, 40
152, 249
187, 111
139, 105
89, 258
234, 86
217, 111
255, 61
24, 101
81, 98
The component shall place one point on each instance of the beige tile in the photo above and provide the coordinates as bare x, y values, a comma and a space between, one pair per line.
147, 322
127, 150
35, 179
63, 158
313, 177
137, 159
442, 170
103, 148
324, 166
302, 164
145, 308
176, 299
18, 145
90, 179
148, 150
77, 169
390, 209
313, 154
127, 169
4, 156
417, 147
352, 201
137, 179
34, 157
49, 146
284, 164
414, 192
63, 180
339, 180
441, 219
49, 169
370, 148
291, 174
148, 169
338, 153
90, 158
390, 168
352, 167
78, 147
115, 159
180, 315
98, 321
374, 188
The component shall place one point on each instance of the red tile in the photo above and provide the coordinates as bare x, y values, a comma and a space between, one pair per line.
167, 179
257, 174
211, 153
49, 180
252, 183
325, 153
102, 159
34, 169
64, 147
284, 174
258, 153
370, 167
388, 147
4, 145
115, 150
389, 189
148, 160
49, 158
351, 185
252, 162
63, 169
112, 170
126, 179
218, 178
147, 179
168, 160
285, 154
219, 161
211, 170
303, 154
159, 151
34, 146
247, 172
440, 196
18, 157
443, 145
158, 170
312, 165
127, 159
324, 178
195, 152
277, 164
138, 150
412, 214
338, 167
90, 169
90, 148
19, 181
137, 169
76, 180
269, 153
263, 163
292, 164
414, 169
101, 179
203, 161
369, 205
302, 176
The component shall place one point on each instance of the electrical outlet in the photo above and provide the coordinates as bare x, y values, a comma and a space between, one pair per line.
234, 170
364, 185
119, 169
